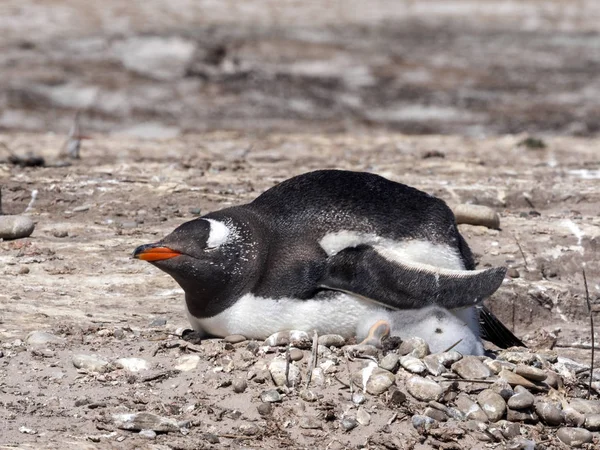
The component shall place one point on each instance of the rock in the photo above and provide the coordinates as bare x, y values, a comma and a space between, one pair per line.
132, 364
492, 404
296, 354
239, 385
332, 340
373, 379
523, 415
390, 362
396, 396
435, 414
477, 215
186, 363
471, 368
531, 373
509, 429
522, 400
521, 443
15, 227
423, 389
308, 395
235, 338
434, 366
249, 429
549, 414
573, 418
361, 350
277, 368
147, 434
470, 409
158, 322
516, 380
449, 358
310, 423
517, 357
348, 423
496, 365
414, 346
413, 364
423, 423
585, 406
270, 396
318, 377
358, 397
90, 363
43, 338
264, 409
147, 421
574, 437
503, 388
553, 380
592, 422
363, 417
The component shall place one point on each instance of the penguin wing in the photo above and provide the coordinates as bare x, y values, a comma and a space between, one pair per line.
362, 271
494, 331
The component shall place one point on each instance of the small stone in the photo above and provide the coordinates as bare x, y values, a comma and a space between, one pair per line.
308, 395
296, 354
477, 215
492, 404
300, 339
239, 385
264, 409
26, 430
361, 350
158, 322
435, 414
471, 368
413, 364
449, 358
15, 227
522, 400
503, 388
516, 380
186, 363
390, 362
147, 434
396, 396
119, 333
212, 438
517, 357
414, 346
147, 421
332, 340
549, 414
509, 429
235, 338
523, 415
358, 397
373, 379
513, 273
90, 363
270, 396
423, 423
531, 373
423, 389
43, 338
277, 368
82, 401
132, 364
23, 270
249, 429
585, 406
434, 366
60, 233
470, 409
573, 418
592, 422
553, 380
195, 211
81, 208
348, 423
496, 365
363, 417
574, 437
318, 377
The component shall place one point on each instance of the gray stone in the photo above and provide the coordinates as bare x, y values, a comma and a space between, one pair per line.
186, 363
91, 363
43, 338
332, 340
509, 429
147, 421
522, 400
147, 434
549, 414
515, 380
434, 365
471, 368
449, 358
470, 409
531, 373
414, 346
270, 396
249, 429
310, 423
15, 227
517, 357
239, 385
435, 414
277, 368
296, 354
553, 380
348, 423
361, 350
423, 389
308, 395
522, 415
318, 376
264, 409
423, 423
390, 362
492, 404
235, 338
574, 437
373, 379
358, 397
592, 422
496, 365
413, 364
503, 388
132, 364
585, 406
158, 322
363, 417
573, 418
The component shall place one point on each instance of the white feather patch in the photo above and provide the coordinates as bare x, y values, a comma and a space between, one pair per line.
219, 233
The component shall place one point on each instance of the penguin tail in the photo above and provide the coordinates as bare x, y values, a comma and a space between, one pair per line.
494, 331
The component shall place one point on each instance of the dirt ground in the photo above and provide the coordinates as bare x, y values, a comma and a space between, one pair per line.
74, 277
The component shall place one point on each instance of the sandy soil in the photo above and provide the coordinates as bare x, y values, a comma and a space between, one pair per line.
74, 276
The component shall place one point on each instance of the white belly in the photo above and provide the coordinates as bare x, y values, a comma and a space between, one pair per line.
259, 317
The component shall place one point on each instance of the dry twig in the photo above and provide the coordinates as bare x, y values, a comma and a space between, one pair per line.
313, 357
589, 305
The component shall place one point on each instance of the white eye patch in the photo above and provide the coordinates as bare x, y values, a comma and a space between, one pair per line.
218, 235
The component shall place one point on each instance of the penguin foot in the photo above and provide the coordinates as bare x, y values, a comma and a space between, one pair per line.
377, 333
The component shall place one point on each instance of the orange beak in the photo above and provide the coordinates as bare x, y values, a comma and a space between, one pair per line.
150, 252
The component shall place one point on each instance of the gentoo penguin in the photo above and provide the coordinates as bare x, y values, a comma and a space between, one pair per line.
337, 252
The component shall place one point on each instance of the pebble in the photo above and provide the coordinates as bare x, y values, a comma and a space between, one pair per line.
396, 396
549, 414
513, 273
363, 417
158, 322
492, 404
553, 380
503, 388
308, 395
60, 233
332, 340
413, 364
423, 389
186, 363
423, 423
147, 421
361, 350
264, 409
132, 364
358, 397
43, 338
295, 338
435, 414
509, 429
573, 418
574, 437
348, 423
15, 227
296, 354
521, 400
497, 365
524, 415
390, 362
318, 377
270, 396
235, 338
147, 434
531, 373
477, 215
414, 346
239, 385
592, 422
585, 406
516, 380
373, 379
90, 363
517, 357
471, 367
449, 358
470, 409
434, 366
249, 429
81, 208
277, 369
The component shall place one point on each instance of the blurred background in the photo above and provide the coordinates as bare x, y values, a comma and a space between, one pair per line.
156, 68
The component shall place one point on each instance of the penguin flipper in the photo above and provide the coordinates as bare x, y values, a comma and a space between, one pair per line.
494, 331
363, 271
